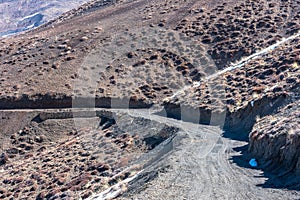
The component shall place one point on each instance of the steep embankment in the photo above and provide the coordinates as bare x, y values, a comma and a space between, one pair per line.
59, 154
140, 53
275, 141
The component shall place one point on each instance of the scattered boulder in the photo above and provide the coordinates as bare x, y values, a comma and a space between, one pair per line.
84, 38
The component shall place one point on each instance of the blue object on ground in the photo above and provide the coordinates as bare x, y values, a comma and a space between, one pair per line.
253, 162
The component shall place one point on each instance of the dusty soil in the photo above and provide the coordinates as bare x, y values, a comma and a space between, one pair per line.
177, 56
57, 156
258, 87
233, 29
46, 57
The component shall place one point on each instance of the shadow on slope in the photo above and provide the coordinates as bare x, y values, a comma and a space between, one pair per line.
237, 126
277, 177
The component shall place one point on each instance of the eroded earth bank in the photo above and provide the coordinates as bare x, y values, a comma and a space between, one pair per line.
153, 100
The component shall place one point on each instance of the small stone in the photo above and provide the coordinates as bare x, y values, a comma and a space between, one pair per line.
103, 167
61, 181
75, 188
230, 101
55, 66
53, 193
30, 155
46, 62
41, 196
84, 154
130, 55
3, 191
66, 41
206, 41
161, 24
69, 58
281, 77
84, 38
16, 87
13, 151
41, 149
98, 28
18, 179
62, 46
86, 194
68, 85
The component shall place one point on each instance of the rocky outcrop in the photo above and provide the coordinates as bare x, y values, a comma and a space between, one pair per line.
275, 140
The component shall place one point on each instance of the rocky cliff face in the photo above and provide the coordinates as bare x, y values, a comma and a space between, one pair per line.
20, 15
275, 140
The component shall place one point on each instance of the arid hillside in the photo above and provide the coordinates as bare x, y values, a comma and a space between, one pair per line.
135, 98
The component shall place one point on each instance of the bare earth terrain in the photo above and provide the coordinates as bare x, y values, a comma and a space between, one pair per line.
138, 99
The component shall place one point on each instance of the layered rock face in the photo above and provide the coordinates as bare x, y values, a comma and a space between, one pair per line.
275, 140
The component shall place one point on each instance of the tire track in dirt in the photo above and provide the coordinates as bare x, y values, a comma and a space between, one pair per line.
201, 169
200, 166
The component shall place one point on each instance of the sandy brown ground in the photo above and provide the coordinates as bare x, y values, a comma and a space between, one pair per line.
140, 53
271, 75
55, 156
47, 58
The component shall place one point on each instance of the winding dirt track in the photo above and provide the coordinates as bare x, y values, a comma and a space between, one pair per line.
199, 166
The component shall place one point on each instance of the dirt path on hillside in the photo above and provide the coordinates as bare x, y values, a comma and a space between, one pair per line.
198, 163
202, 165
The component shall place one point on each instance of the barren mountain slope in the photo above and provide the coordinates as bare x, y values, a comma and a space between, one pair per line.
55, 55
175, 56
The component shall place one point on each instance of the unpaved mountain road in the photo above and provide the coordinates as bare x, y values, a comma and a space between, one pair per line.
199, 165
198, 162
